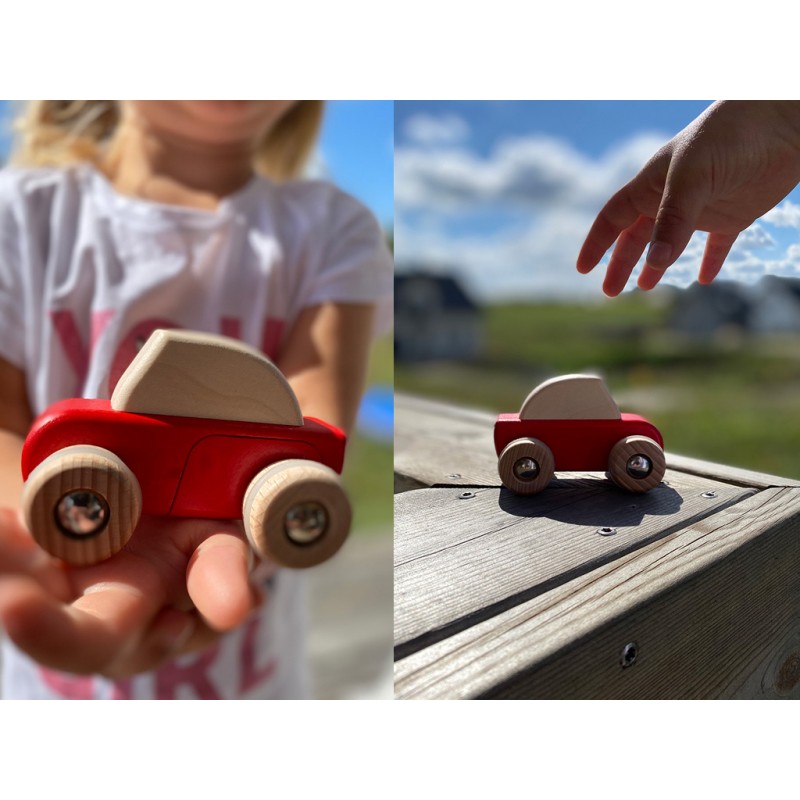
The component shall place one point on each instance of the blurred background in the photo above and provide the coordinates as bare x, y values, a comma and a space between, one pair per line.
351, 595
492, 203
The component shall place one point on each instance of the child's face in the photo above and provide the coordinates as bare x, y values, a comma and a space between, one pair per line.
210, 121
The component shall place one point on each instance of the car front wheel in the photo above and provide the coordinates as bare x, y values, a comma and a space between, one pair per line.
296, 513
82, 504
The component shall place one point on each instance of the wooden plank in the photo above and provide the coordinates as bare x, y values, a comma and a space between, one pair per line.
721, 472
440, 445
713, 608
463, 556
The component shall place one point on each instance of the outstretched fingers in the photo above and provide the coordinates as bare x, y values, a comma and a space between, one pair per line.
98, 633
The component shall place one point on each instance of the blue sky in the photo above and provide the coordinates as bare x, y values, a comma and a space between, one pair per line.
356, 150
504, 192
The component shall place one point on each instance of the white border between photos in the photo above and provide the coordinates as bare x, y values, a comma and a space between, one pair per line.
372, 749
354, 49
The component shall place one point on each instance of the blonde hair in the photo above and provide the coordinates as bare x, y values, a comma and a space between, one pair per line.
61, 132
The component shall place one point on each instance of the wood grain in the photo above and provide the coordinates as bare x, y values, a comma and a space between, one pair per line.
713, 609
460, 559
440, 445
275, 491
501, 596
75, 469
632, 446
737, 475
570, 397
190, 374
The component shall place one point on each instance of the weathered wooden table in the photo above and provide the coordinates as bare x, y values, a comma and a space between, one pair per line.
585, 591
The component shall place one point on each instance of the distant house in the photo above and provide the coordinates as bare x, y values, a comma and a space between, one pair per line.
703, 311
770, 306
434, 318
776, 305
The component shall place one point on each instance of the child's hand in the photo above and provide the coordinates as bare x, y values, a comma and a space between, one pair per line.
731, 165
175, 586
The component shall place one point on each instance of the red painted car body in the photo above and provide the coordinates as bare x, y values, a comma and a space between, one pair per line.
186, 466
577, 444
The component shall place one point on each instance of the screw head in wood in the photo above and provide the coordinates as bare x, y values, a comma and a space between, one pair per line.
82, 513
306, 522
466, 495
606, 531
709, 495
629, 654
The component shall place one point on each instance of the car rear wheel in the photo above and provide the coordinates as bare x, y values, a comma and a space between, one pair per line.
82, 504
636, 463
296, 513
526, 466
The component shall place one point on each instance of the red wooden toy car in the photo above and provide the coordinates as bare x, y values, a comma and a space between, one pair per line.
572, 424
198, 426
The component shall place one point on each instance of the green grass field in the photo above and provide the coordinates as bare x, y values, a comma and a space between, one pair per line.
369, 464
735, 401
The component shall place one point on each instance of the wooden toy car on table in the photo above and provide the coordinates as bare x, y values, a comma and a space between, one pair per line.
198, 426
572, 424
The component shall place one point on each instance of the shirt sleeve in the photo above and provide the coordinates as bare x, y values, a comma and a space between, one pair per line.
355, 263
12, 301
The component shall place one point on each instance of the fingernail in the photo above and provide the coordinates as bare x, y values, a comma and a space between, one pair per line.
659, 255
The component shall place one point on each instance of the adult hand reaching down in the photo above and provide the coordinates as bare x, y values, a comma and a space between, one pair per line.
730, 166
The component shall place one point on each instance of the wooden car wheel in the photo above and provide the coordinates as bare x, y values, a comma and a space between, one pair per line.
526, 466
636, 463
82, 504
296, 513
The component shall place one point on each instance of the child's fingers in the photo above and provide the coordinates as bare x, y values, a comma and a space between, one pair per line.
19, 554
101, 631
166, 638
61, 636
218, 580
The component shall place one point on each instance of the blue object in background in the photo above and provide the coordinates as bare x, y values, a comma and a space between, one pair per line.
376, 414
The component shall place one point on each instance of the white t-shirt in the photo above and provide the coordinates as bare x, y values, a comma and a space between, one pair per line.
86, 274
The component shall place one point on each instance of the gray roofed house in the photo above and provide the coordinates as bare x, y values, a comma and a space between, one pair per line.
434, 318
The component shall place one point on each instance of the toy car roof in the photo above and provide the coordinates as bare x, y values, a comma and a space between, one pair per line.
570, 397
190, 374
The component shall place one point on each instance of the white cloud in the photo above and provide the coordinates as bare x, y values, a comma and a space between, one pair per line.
784, 215
544, 194
753, 237
532, 172
427, 129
